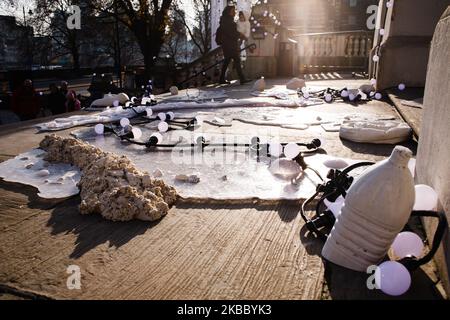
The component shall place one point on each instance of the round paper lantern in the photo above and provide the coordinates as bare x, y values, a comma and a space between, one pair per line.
163, 126
275, 149
407, 244
291, 150
99, 129
392, 278
426, 198
137, 133
124, 122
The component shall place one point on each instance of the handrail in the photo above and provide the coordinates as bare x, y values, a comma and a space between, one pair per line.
251, 46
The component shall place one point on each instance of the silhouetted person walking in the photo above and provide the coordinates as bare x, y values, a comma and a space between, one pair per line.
228, 37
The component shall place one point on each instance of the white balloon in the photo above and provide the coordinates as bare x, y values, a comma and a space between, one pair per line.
378, 96
275, 149
99, 129
401, 86
426, 198
163, 126
124, 122
407, 244
149, 112
392, 278
137, 133
328, 97
291, 150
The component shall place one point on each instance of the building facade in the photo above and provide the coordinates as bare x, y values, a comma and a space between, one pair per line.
15, 44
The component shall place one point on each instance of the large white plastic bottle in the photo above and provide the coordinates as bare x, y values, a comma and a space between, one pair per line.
377, 207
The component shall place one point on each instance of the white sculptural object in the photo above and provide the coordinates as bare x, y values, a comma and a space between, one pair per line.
173, 90
389, 132
108, 100
296, 84
260, 85
376, 209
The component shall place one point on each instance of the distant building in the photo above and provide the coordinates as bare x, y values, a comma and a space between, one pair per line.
15, 44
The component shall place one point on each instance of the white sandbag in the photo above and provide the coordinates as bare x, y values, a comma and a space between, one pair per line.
296, 84
260, 85
378, 132
108, 100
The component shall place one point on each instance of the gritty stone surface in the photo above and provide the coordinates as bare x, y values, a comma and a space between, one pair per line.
110, 184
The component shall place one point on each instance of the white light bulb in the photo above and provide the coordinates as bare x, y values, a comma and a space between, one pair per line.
124, 122
401, 86
137, 133
344, 94
328, 98
158, 136
376, 58
292, 150
163, 126
116, 103
149, 112
265, 33
426, 198
275, 149
258, 25
407, 244
171, 115
378, 96
99, 129
392, 278
162, 116
253, 30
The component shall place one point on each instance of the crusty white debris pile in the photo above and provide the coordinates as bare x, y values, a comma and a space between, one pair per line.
110, 184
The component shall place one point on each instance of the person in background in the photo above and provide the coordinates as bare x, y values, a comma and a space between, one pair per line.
25, 102
229, 40
64, 88
56, 100
72, 103
243, 27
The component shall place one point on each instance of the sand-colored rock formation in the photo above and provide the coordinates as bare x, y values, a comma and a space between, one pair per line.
110, 184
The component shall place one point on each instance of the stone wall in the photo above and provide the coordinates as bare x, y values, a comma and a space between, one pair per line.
433, 157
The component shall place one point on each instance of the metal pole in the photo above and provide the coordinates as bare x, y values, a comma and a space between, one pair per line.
119, 62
